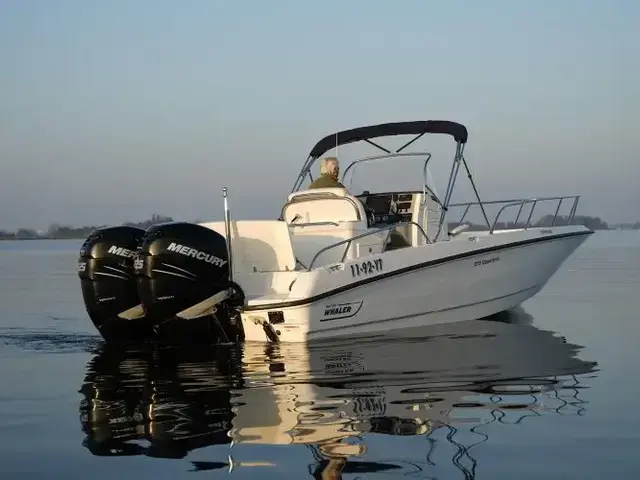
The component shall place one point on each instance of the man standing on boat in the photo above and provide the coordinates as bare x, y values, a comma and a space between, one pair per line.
329, 171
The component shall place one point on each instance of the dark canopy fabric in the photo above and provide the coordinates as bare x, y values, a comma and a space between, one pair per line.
456, 130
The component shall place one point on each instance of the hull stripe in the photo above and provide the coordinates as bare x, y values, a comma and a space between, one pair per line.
412, 268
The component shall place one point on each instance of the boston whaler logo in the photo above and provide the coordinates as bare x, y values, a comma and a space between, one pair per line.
121, 252
197, 254
341, 310
346, 362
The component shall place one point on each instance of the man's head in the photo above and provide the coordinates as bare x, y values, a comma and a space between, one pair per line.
330, 167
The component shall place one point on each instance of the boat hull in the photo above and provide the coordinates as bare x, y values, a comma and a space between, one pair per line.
495, 274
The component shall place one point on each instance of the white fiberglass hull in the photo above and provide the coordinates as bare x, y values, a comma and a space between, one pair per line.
467, 278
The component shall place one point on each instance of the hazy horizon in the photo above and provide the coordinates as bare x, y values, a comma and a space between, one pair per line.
116, 110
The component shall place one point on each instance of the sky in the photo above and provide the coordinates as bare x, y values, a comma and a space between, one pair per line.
111, 111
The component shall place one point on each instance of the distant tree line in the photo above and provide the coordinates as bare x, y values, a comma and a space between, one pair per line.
58, 232
626, 226
594, 223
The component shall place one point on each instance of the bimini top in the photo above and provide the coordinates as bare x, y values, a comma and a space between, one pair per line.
456, 130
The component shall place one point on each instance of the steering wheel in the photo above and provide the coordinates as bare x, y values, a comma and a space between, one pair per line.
371, 215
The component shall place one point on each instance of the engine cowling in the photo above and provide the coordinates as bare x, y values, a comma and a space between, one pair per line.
107, 278
179, 265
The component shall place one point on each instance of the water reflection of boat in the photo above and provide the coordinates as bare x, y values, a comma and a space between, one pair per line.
435, 381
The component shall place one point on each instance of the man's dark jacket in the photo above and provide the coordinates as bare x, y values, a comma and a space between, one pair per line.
325, 181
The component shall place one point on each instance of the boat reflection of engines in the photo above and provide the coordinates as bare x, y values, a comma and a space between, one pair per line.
176, 401
135, 282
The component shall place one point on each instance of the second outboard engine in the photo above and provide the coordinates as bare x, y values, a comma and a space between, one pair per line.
108, 283
180, 265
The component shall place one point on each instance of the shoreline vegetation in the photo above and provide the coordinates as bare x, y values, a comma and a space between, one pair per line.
60, 232
66, 232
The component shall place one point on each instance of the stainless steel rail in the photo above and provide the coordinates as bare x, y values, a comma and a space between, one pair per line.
521, 202
389, 228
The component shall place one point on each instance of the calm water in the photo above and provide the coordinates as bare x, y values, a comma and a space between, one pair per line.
548, 391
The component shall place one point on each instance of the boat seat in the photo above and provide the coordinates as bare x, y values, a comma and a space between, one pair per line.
259, 245
323, 205
309, 239
318, 192
321, 217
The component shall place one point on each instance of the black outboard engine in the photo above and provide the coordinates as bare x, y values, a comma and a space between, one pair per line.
107, 278
180, 265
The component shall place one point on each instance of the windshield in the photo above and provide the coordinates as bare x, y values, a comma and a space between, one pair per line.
385, 173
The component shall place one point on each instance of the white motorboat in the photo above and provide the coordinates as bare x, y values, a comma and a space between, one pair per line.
334, 264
